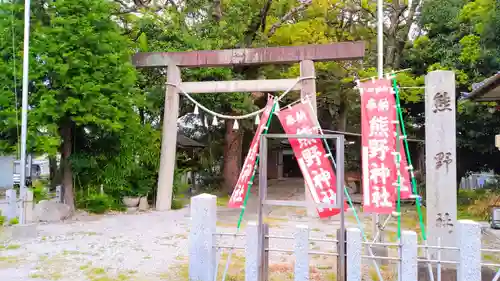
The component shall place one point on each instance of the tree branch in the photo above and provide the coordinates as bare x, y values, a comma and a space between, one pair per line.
173, 4
141, 4
366, 10
256, 23
287, 16
216, 11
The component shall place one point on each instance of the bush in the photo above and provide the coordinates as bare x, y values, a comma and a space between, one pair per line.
468, 197
39, 191
481, 209
14, 221
177, 204
97, 203
2, 219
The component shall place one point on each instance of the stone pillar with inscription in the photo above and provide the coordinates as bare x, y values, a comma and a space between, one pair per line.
440, 160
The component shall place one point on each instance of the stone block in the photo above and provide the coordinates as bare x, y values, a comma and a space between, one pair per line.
49, 211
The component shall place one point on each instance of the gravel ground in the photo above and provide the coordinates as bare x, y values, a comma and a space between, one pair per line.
146, 246
153, 246
118, 247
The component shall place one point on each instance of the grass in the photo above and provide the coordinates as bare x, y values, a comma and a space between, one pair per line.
274, 221
179, 203
387, 274
9, 261
225, 224
271, 221
223, 200
96, 271
181, 258
67, 253
464, 214
50, 268
491, 257
85, 267
180, 236
10, 247
476, 204
101, 274
179, 272
49, 276
55, 268
277, 272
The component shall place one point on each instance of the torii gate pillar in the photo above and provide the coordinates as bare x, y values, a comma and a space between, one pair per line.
309, 91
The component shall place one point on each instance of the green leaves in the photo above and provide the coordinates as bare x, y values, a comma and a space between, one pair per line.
456, 39
80, 72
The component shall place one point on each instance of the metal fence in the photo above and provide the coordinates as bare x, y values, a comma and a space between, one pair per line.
407, 257
478, 181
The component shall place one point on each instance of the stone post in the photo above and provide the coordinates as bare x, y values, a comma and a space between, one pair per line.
354, 250
252, 252
441, 159
301, 250
469, 244
201, 237
11, 196
342, 254
409, 266
59, 194
29, 206
168, 140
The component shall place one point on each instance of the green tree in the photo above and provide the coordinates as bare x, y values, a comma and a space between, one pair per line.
461, 35
81, 78
211, 25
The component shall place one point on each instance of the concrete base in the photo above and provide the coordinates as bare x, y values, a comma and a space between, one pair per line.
18, 232
131, 210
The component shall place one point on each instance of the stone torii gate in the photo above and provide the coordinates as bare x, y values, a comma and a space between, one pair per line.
174, 61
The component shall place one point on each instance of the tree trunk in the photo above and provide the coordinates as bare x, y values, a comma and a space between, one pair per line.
55, 177
342, 121
232, 156
67, 173
391, 40
420, 163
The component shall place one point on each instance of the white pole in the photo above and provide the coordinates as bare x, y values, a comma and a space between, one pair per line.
380, 70
24, 108
380, 38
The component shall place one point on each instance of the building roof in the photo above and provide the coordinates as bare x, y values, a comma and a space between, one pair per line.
185, 142
487, 90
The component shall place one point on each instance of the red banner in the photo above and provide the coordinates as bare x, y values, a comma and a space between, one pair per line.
378, 117
241, 188
313, 161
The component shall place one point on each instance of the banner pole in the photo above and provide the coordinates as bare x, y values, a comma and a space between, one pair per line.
247, 196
